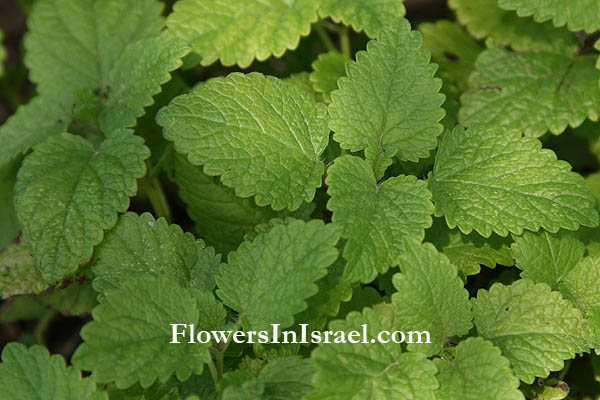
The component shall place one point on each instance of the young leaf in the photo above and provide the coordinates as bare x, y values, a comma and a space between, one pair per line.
547, 257
580, 286
140, 245
532, 92
389, 100
431, 297
17, 272
34, 374
535, 328
268, 280
494, 180
371, 370
238, 31
68, 193
262, 135
375, 216
477, 371
222, 218
452, 49
484, 18
576, 14
470, 251
370, 16
327, 69
128, 340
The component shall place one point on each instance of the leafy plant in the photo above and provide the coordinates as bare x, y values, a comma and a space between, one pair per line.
312, 163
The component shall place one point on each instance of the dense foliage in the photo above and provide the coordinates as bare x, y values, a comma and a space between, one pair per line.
234, 164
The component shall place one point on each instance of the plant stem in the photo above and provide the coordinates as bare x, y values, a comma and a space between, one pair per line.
153, 190
345, 42
157, 169
565, 370
40, 329
327, 42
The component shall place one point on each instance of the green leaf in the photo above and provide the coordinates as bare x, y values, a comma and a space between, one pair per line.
547, 257
140, 245
535, 328
576, 14
370, 16
68, 193
268, 280
327, 69
93, 33
484, 18
238, 31
17, 271
281, 379
9, 226
128, 340
452, 49
580, 286
532, 92
370, 370
431, 297
389, 100
495, 180
262, 135
222, 218
31, 124
470, 251
74, 299
375, 216
476, 371
34, 374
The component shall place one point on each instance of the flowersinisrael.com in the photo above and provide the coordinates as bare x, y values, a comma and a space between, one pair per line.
186, 333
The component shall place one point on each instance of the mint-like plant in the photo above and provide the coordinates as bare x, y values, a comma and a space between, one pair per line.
318, 165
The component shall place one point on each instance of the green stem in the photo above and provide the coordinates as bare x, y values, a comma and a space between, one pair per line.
213, 371
565, 370
153, 190
327, 42
345, 42
40, 329
157, 169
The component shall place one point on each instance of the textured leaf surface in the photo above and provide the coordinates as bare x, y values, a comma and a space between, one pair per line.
470, 251
74, 299
121, 60
494, 180
536, 329
532, 92
281, 379
389, 100
238, 31
431, 297
547, 257
31, 124
222, 218
34, 374
369, 16
262, 135
477, 371
452, 49
375, 216
484, 18
143, 246
576, 14
327, 69
17, 272
67, 193
370, 370
128, 340
267, 280
580, 286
